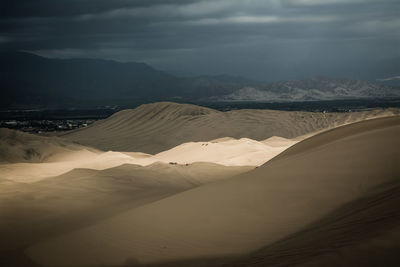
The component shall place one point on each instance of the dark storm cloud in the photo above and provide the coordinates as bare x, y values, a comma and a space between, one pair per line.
262, 39
66, 8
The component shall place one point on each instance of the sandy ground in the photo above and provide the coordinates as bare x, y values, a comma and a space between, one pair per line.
227, 152
60, 186
33, 211
153, 128
336, 193
17, 146
238, 188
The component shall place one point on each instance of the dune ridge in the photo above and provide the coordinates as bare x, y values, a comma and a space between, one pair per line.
153, 128
257, 209
227, 152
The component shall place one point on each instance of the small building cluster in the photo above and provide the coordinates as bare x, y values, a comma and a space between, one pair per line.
39, 126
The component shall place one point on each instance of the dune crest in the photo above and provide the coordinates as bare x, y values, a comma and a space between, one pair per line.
153, 128
227, 151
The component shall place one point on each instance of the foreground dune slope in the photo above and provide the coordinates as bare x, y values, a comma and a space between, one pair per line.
363, 232
236, 216
153, 128
30, 212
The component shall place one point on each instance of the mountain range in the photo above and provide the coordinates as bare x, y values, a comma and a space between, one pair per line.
27, 80
317, 88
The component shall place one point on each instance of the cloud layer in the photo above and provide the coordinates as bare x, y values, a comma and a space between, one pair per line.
256, 38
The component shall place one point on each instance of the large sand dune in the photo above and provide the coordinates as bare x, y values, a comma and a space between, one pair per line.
153, 128
335, 180
33, 211
184, 205
363, 232
62, 186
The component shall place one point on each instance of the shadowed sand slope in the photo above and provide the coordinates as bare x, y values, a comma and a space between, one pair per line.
363, 232
302, 186
153, 128
17, 146
30, 212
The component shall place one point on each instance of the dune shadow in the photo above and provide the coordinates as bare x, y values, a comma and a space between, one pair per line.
334, 240
374, 215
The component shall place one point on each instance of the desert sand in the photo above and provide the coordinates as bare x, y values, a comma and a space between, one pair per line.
191, 186
59, 186
346, 177
153, 128
33, 211
59, 160
16, 146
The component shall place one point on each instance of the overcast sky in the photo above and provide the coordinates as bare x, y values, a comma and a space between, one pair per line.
260, 39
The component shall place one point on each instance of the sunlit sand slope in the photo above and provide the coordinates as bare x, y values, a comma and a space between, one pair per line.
157, 127
300, 187
33, 172
228, 152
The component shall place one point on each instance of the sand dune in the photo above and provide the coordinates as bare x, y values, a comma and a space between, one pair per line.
34, 172
228, 152
30, 212
157, 127
304, 185
364, 232
17, 146
180, 206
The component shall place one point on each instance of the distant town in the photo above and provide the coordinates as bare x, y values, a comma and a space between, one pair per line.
48, 120
42, 126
